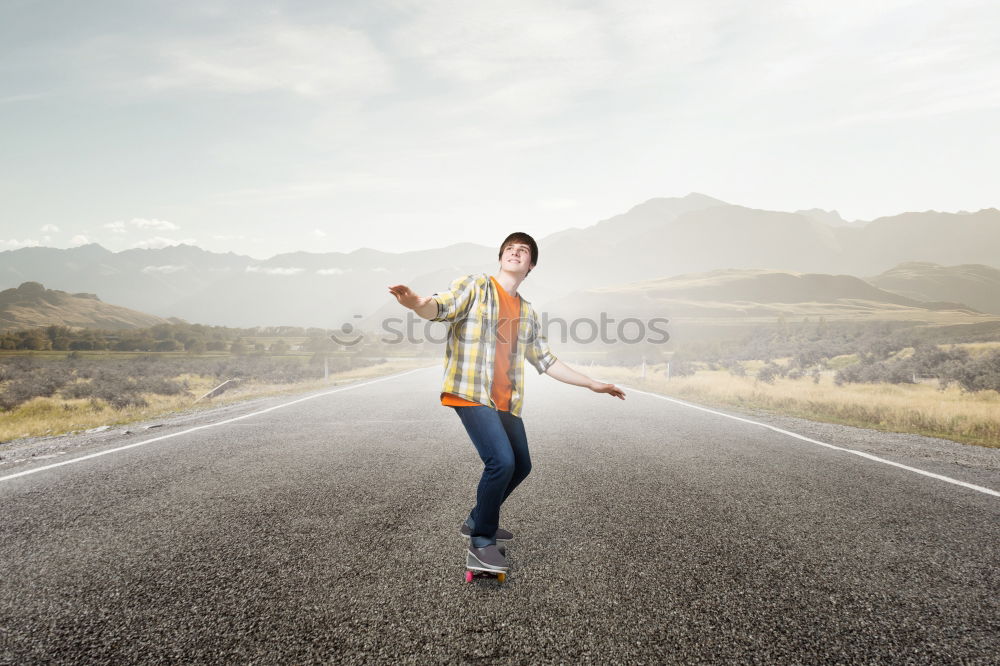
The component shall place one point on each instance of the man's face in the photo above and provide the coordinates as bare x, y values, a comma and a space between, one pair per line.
516, 258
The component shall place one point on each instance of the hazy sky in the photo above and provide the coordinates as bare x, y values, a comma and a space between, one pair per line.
267, 127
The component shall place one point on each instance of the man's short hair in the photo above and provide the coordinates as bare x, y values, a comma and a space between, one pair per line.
520, 237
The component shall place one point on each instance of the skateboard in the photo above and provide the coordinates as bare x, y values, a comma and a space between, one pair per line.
473, 568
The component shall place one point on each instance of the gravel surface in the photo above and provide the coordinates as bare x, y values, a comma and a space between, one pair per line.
648, 532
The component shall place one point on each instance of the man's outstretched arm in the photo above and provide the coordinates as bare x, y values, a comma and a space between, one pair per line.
568, 375
447, 306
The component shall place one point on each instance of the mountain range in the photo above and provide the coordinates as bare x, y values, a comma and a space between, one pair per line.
655, 240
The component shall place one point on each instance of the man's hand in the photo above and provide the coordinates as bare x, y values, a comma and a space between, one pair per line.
568, 375
599, 387
407, 297
424, 307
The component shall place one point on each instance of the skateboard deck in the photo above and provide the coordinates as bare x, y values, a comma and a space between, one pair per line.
474, 568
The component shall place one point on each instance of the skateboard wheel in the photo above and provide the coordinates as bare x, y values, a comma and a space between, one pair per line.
501, 577
468, 576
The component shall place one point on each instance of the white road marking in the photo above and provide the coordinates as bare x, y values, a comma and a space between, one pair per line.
816, 441
201, 427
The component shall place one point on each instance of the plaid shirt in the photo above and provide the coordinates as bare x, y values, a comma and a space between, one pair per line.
471, 309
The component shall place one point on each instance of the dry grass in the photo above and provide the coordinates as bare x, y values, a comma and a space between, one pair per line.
971, 418
56, 416
977, 348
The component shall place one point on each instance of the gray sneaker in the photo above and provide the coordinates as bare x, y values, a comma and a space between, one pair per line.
487, 558
501, 535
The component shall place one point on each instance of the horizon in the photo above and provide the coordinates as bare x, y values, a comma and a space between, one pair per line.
857, 222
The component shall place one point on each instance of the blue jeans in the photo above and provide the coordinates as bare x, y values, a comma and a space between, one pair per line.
500, 440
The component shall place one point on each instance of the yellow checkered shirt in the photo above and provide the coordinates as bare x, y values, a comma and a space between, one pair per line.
471, 308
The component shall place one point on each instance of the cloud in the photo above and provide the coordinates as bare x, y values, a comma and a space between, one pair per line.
79, 239
161, 225
159, 242
274, 271
333, 271
814, 66
525, 58
319, 233
306, 60
139, 223
163, 269
14, 244
49, 228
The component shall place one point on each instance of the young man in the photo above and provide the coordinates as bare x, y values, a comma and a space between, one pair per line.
492, 330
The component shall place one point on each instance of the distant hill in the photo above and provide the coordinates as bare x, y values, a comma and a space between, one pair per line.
764, 286
977, 285
718, 299
31, 305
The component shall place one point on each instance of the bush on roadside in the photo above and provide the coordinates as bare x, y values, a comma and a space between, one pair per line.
25, 386
734, 367
769, 372
974, 374
951, 365
681, 368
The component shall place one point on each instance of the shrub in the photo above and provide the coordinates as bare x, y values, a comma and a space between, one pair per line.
768, 372
734, 367
123, 400
78, 390
978, 374
25, 386
163, 386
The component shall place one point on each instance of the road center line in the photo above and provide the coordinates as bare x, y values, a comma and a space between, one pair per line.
816, 441
207, 425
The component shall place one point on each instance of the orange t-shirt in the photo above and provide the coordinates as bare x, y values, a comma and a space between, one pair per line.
510, 311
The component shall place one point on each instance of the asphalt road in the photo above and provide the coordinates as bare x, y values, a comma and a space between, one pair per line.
648, 532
